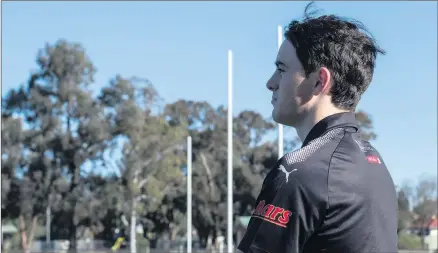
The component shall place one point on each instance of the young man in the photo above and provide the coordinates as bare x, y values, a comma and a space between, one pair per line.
335, 193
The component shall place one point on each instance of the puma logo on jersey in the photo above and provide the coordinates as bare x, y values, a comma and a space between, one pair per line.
287, 173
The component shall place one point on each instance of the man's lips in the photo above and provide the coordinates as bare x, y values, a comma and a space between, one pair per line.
274, 100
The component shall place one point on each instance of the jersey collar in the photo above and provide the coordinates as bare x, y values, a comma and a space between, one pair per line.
343, 119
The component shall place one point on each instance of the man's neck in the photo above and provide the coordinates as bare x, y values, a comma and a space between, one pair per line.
312, 118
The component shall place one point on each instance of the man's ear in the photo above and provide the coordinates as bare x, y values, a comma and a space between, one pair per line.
324, 80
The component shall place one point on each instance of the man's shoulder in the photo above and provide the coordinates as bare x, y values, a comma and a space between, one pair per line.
339, 148
356, 151
316, 155
357, 166
360, 192
306, 169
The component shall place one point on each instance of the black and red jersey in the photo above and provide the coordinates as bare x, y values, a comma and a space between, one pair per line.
334, 194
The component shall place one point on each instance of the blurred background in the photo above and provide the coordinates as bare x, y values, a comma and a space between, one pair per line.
98, 99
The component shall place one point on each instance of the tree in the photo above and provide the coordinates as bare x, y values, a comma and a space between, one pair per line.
67, 126
20, 197
12, 137
111, 194
148, 167
254, 159
426, 205
27, 166
208, 128
404, 214
366, 126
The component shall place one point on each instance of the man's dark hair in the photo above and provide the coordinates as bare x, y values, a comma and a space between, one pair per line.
344, 46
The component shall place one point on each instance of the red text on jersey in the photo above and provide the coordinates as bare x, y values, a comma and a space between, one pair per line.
273, 214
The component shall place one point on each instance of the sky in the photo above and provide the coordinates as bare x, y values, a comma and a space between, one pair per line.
181, 47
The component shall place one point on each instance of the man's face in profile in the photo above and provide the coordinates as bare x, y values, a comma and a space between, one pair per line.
289, 85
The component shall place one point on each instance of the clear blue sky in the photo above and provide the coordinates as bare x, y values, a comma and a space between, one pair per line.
182, 48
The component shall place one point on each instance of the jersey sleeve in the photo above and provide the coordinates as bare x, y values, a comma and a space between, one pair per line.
285, 216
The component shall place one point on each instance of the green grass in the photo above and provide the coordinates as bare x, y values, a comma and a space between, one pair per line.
408, 241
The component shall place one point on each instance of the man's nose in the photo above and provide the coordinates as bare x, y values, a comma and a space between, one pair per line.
272, 83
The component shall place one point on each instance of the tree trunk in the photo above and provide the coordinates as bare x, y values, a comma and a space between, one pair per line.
26, 242
74, 200
32, 232
422, 239
23, 234
153, 242
133, 232
422, 233
72, 234
203, 237
48, 223
174, 233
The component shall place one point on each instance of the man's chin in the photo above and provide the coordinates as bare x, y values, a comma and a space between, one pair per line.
276, 117
281, 119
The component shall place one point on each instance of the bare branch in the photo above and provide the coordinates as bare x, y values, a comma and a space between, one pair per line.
142, 182
141, 197
209, 175
167, 150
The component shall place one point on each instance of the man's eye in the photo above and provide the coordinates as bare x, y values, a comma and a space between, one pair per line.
280, 70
